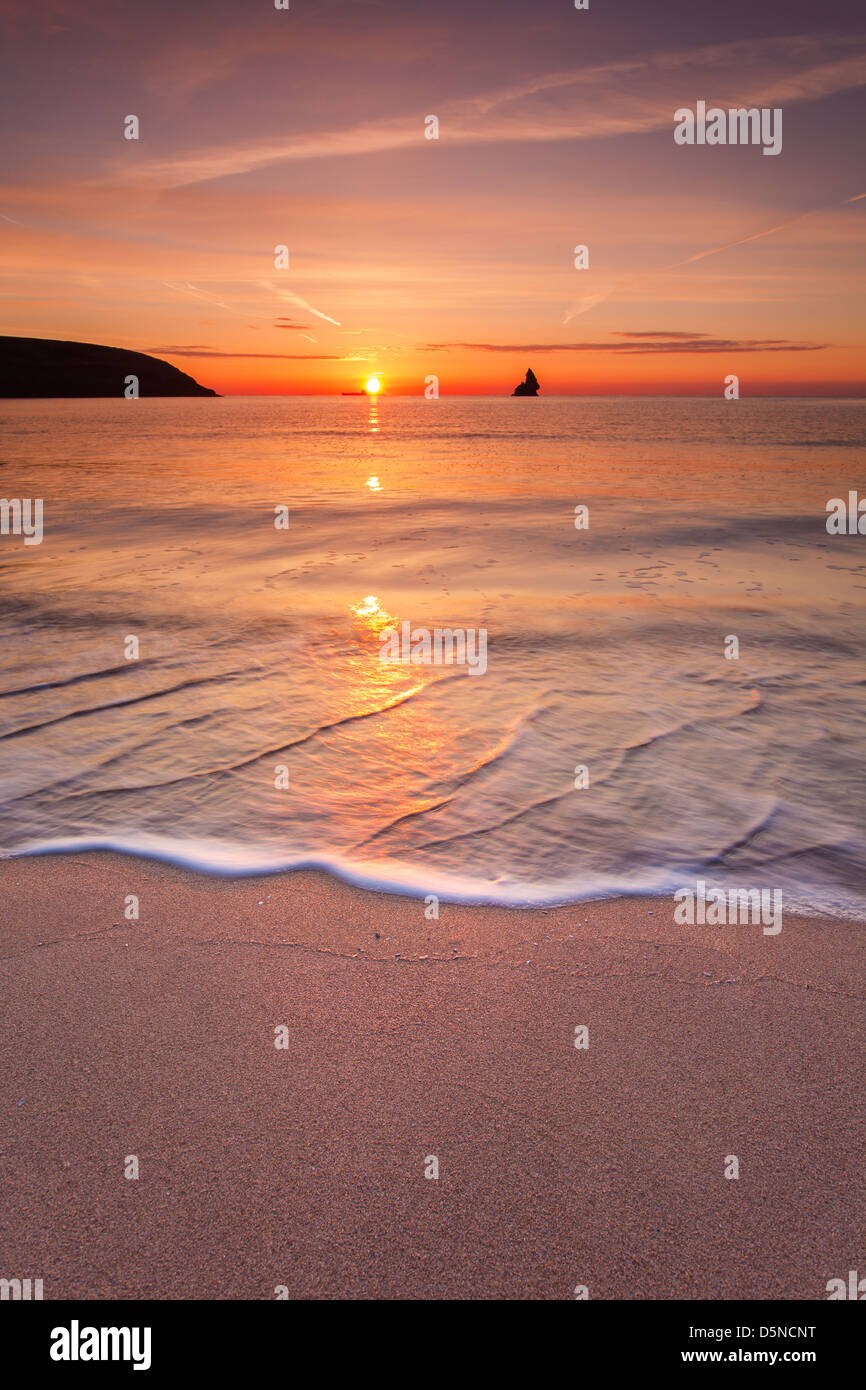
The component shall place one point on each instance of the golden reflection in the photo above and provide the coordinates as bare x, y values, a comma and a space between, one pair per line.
373, 483
407, 736
372, 616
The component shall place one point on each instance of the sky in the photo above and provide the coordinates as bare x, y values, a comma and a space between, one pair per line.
411, 257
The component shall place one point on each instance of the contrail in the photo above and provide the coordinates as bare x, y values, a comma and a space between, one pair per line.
296, 299
187, 288
575, 310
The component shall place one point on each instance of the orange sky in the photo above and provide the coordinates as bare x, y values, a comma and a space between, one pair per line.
452, 257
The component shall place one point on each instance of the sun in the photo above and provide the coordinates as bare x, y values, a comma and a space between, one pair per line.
372, 385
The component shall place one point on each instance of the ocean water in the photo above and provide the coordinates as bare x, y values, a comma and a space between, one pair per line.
258, 647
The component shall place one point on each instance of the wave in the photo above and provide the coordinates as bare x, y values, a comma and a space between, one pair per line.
187, 684
225, 859
823, 443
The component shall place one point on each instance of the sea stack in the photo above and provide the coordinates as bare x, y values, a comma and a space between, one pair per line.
528, 387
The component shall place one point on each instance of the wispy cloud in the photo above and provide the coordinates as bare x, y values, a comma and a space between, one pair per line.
193, 350
584, 103
654, 342
291, 298
632, 282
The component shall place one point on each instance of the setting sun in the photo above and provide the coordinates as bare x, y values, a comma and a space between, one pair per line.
372, 385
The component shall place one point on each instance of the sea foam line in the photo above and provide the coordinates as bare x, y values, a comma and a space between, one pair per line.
222, 859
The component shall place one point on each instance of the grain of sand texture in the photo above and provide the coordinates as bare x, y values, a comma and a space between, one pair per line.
304, 1166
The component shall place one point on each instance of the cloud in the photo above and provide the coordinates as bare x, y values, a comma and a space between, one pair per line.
296, 299
655, 342
655, 333
194, 351
610, 99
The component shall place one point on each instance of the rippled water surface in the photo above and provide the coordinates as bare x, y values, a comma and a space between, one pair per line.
259, 648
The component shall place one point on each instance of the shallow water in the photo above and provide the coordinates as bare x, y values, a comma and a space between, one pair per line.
259, 648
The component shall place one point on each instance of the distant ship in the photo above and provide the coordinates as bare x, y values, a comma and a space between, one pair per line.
353, 393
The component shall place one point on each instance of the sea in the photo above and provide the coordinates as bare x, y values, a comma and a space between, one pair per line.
674, 679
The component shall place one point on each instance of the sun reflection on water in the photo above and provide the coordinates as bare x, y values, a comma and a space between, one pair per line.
371, 615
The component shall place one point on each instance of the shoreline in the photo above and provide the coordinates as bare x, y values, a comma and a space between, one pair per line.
372, 877
304, 1166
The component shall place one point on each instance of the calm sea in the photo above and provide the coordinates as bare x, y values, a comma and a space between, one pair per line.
258, 728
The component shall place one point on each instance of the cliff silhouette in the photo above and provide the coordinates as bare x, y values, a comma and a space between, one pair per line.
527, 387
52, 367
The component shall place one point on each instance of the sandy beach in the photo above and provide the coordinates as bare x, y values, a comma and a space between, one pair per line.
304, 1166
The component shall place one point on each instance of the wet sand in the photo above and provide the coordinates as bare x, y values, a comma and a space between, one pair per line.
304, 1166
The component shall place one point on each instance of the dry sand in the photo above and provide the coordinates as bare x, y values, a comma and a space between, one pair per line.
305, 1167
